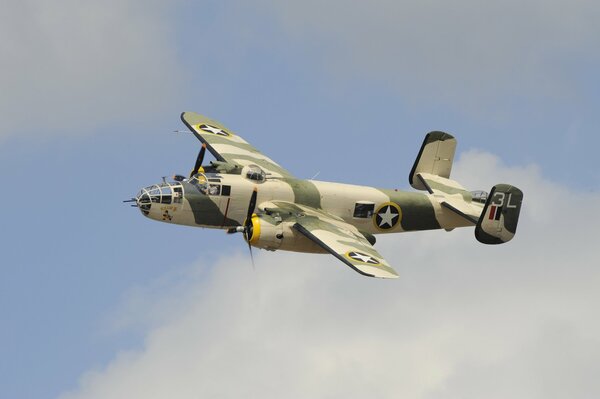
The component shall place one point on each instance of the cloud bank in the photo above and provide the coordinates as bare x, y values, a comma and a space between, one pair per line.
464, 320
73, 66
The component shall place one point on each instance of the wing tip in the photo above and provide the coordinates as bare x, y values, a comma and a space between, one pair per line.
383, 274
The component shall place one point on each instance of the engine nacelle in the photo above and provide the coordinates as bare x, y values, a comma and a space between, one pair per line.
271, 233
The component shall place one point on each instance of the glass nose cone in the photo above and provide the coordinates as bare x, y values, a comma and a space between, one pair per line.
144, 202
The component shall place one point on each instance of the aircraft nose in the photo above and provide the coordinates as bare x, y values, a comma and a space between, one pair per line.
144, 201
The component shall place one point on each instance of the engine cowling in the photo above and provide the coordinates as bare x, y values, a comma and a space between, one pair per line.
271, 233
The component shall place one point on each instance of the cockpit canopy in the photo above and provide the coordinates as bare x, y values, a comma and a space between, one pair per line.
200, 181
164, 193
255, 173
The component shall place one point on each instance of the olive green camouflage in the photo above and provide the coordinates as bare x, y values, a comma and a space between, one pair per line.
245, 191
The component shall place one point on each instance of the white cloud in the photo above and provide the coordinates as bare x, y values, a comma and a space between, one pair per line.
71, 66
464, 320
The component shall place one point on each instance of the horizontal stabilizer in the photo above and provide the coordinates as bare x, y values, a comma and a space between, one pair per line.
451, 195
498, 221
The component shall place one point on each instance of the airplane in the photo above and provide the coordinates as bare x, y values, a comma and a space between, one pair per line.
244, 191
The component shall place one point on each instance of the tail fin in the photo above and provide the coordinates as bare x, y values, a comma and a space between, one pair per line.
435, 158
498, 221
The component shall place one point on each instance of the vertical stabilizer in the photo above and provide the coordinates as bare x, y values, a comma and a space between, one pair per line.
498, 221
435, 158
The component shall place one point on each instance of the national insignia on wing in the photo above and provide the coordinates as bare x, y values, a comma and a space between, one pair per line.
362, 257
213, 129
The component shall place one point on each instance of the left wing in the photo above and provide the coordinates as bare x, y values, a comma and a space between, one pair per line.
340, 239
229, 147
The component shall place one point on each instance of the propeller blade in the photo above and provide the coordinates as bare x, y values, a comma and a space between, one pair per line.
251, 256
248, 221
246, 229
251, 206
199, 160
248, 225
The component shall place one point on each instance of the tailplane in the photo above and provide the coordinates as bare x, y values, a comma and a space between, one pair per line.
498, 221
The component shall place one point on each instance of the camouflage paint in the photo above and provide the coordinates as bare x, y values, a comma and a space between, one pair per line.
305, 192
417, 211
204, 209
314, 216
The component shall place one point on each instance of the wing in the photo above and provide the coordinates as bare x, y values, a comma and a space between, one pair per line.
228, 147
340, 239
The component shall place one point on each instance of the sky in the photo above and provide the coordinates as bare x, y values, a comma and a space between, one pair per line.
98, 301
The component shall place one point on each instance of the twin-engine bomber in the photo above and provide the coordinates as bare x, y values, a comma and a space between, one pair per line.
245, 191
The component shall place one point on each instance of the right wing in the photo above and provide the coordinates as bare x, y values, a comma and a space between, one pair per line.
229, 147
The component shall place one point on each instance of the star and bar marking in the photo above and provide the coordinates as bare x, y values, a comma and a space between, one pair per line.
362, 257
387, 216
214, 130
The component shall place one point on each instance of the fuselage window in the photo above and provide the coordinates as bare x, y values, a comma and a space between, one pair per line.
362, 210
226, 191
165, 194
177, 195
214, 189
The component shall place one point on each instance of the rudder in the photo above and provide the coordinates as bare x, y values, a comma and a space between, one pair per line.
435, 158
498, 221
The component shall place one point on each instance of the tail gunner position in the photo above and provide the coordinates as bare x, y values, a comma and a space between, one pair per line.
245, 191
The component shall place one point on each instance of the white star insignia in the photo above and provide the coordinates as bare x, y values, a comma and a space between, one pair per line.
363, 258
214, 130
387, 217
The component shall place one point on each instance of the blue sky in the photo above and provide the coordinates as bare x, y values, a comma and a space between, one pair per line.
92, 93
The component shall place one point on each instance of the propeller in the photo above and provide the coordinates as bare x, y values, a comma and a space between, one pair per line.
248, 222
199, 160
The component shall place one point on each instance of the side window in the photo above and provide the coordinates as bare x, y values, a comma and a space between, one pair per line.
364, 209
214, 189
166, 199
226, 190
177, 195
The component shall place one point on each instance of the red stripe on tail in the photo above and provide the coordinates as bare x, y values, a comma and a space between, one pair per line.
492, 212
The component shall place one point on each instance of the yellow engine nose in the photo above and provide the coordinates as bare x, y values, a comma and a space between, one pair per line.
253, 234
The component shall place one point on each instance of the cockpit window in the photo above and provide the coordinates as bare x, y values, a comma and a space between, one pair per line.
214, 189
200, 182
254, 172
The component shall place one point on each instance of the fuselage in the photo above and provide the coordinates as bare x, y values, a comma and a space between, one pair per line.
215, 200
